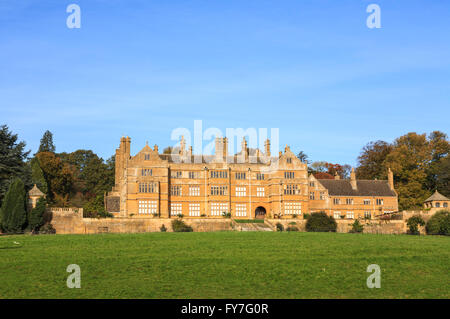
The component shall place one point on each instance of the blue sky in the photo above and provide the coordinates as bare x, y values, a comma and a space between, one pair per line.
143, 68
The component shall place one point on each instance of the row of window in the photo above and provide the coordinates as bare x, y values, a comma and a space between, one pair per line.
215, 174
148, 188
219, 174
349, 201
437, 205
350, 215
219, 190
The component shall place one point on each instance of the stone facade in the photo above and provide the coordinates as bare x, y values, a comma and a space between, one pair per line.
249, 184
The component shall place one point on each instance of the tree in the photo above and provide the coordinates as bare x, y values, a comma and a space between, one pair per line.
59, 176
168, 150
46, 144
12, 160
439, 223
371, 161
320, 222
442, 171
409, 160
323, 175
37, 175
439, 148
96, 208
13, 213
330, 169
36, 217
303, 157
92, 175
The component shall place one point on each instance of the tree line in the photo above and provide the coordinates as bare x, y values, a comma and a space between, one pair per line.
78, 179
420, 164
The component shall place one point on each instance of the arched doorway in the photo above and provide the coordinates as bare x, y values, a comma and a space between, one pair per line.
260, 212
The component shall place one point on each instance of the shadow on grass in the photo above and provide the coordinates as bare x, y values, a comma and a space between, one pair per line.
11, 247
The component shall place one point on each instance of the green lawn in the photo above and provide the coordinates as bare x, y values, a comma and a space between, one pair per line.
225, 265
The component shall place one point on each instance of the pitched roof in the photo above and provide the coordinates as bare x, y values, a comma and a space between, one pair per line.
364, 187
436, 196
35, 191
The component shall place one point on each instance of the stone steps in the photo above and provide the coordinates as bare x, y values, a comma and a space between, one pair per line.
253, 227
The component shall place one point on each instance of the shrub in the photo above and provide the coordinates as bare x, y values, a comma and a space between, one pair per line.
95, 208
47, 229
180, 226
413, 224
13, 213
226, 215
306, 216
439, 223
163, 228
280, 227
356, 227
292, 228
294, 216
320, 222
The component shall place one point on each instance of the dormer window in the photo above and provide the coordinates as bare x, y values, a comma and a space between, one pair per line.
147, 157
289, 160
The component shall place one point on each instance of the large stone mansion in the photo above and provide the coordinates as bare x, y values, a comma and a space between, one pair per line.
249, 184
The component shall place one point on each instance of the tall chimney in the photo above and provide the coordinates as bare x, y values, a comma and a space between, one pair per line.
353, 179
225, 147
336, 176
244, 149
267, 147
219, 149
390, 178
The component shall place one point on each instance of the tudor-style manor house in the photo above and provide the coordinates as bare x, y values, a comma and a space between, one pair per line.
249, 184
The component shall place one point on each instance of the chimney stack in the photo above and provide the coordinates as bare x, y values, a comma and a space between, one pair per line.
244, 150
267, 147
390, 178
336, 176
353, 179
221, 150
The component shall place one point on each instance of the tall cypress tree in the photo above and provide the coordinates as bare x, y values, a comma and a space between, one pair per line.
36, 219
13, 213
37, 175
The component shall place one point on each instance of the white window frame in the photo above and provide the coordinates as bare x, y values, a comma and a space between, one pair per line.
260, 192
194, 190
241, 210
218, 208
350, 215
194, 209
292, 208
176, 209
147, 207
241, 191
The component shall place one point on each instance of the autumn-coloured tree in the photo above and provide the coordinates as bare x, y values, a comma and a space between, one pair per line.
323, 175
371, 161
59, 176
409, 160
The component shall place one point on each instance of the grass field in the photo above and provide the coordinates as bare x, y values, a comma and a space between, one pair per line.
225, 265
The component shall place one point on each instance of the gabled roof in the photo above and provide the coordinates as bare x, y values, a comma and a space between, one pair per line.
436, 196
364, 188
35, 191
